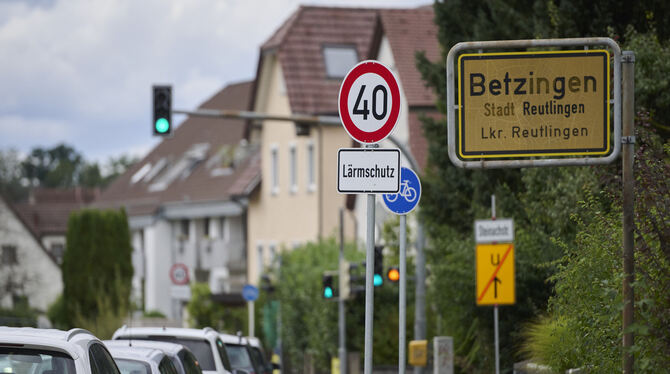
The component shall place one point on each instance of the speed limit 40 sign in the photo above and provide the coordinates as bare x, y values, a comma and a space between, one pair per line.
369, 102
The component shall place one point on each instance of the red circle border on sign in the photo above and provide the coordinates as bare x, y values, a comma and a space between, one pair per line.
359, 135
172, 277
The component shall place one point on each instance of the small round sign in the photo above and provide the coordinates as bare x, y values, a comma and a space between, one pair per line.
179, 274
249, 293
409, 195
369, 102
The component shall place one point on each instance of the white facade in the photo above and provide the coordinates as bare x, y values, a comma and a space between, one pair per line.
212, 247
35, 274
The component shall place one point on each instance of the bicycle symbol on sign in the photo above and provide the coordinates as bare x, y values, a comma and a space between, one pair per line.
407, 192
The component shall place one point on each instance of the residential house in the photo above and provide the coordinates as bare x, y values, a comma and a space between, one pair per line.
186, 203
28, 271
46, 213
299, 72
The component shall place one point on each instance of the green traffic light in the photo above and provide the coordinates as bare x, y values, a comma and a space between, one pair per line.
378, 280
328, 292
162, 125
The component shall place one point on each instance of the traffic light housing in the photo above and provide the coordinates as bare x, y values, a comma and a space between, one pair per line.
378, 279
162, 104
393, 274
328, 291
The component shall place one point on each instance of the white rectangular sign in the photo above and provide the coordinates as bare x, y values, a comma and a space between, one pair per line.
361, 170
498, 230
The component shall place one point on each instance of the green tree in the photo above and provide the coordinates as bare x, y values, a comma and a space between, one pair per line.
11, 176
203, 312
97, 267
309, 323
586, 308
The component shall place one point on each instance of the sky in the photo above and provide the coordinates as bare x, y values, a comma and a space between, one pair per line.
80, 72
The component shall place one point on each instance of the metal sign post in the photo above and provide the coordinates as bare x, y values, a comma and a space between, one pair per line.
406, 200
369, 105
250, 294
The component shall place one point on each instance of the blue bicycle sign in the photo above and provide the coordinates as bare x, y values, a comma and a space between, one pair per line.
408, 197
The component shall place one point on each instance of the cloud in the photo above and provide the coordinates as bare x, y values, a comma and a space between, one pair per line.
82, 70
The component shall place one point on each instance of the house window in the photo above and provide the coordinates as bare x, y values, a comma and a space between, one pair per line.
57, 250
339, 60
294, 168
224, 225
205, 227
273, 254
9, 256
184, 226
274, 159
311, 178
259, 259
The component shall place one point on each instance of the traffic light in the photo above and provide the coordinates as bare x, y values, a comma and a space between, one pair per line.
378, 279
162, 101
328, 291
345, 287
393, 274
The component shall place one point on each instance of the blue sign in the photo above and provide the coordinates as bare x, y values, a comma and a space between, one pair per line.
408, 197
249, 293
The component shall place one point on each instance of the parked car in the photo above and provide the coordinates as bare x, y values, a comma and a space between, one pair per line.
137, 360
258, 354
205, 344
182, 358
27, 350
239, 353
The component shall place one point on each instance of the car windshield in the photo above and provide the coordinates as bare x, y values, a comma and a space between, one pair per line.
191, 365
200, 348
238, 356
34, 361
257, 356
132, 366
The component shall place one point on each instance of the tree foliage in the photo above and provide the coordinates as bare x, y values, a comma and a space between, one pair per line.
541, 201
96, 262
586, 308
58, 167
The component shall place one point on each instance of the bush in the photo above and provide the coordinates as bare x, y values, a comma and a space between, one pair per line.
96, 264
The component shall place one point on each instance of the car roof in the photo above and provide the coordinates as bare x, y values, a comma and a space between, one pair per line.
137, 353
253, 341
171, 349
164, 331
73, 341
232, 339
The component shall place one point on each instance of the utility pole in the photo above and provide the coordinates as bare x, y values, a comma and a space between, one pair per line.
628, 155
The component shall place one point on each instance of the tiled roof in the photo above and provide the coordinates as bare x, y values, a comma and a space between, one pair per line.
48, 209
198, 144
299, 43
409, 31
300, 40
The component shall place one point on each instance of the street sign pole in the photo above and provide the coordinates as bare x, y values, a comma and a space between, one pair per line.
495, 307
251, 319
406, 200
628, 156
403, 294
342, 350
369, 287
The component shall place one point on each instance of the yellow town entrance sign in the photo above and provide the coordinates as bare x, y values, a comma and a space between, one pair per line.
523, 104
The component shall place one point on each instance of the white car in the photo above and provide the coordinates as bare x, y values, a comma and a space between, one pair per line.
137, 360
205, 344
26, 350
181, 356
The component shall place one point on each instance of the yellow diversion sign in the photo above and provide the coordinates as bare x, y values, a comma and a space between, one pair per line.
495, 274
526, 104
